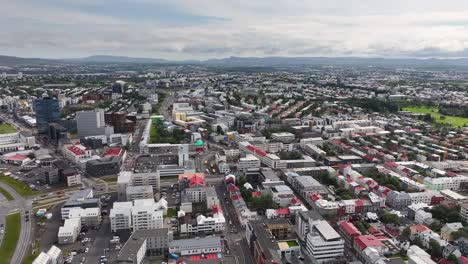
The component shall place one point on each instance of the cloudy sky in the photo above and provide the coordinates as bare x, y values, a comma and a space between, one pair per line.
200, 29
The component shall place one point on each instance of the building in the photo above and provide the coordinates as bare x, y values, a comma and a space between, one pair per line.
303, 224
104, 166
53, 256
68, 233
128, 178
284, 137
133, 251
196, 246
398, 200
92, 123
464, 212
416, 255
43, 258
139, 192
47, 111
448, 229
323, 243
81, 199
140, 214
90, 217
49, 175
78, 154
249, 162
271, 241
203, 224
363, 242
121, 122
305, 185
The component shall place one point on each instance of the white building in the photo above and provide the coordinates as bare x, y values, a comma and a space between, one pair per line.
127, 179
139, 192
196, 246
68, 233
285, 137
250, 161
203, 224
323, 242
416, 255
140, 214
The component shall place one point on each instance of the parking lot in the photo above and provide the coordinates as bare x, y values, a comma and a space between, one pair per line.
91, 244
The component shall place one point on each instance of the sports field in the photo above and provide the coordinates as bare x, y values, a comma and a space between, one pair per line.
455, 121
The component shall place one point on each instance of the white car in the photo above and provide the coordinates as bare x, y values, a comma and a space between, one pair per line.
86, 250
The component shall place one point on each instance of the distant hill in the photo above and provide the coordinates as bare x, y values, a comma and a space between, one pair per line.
115, 59
12, 61
241, 61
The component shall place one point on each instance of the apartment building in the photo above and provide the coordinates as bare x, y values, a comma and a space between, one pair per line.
140, 214
128, 179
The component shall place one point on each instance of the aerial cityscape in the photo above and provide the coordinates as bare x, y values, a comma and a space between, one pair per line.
253, 145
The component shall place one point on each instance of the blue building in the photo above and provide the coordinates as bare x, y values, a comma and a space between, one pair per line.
47, 111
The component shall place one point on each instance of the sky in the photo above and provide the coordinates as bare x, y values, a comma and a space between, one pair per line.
203, 29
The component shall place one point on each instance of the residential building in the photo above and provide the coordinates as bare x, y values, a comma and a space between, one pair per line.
140, 214
129, 178
202, 224
448, 229
398, 200
81, 199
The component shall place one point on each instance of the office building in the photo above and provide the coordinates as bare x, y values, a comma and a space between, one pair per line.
129, 178
104, 166
68, 233
47, 111
92, 123
323, 243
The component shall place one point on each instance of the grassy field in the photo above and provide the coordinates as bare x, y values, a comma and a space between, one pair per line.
455, 121
6, 128
12, 232
6, 194
18, 186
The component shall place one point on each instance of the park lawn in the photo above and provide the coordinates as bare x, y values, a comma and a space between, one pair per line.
21, 188
6, 129
171, 212
454, 121
12, 232
7, 195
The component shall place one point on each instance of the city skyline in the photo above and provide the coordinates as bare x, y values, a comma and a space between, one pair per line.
180, 30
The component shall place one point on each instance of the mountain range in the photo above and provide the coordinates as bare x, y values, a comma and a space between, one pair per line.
240, 61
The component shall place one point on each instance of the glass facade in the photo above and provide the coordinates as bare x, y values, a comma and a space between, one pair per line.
47, 111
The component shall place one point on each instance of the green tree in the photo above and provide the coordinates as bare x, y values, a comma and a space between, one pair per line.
435, 249
405, 234
389, 218
452, 258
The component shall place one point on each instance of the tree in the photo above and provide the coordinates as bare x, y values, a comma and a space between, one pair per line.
31, 155
453, 258
219, 130
435, 249
418, 242
389, 218
405, 234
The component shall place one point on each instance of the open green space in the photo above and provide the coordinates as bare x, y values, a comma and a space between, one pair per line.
292, 243
454, 121
21, 188
6, 129
159, 134
12, 232
7, 195
171, 212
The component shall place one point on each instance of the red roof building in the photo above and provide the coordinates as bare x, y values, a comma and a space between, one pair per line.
363, 242
349, 230
195, 179
110, 152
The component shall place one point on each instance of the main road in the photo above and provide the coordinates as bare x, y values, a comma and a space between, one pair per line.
22, 205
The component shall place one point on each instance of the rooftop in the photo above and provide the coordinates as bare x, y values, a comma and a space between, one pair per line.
7, 129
